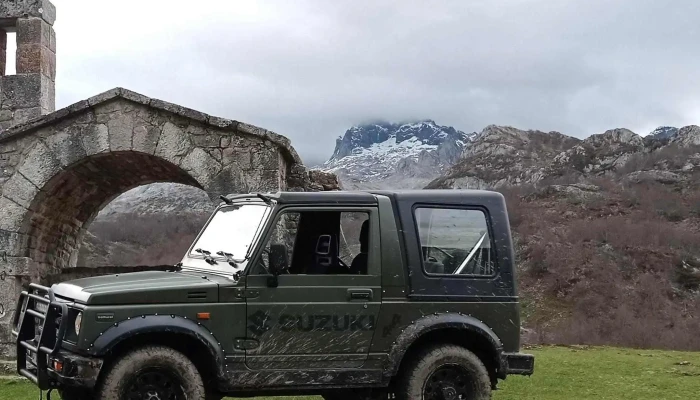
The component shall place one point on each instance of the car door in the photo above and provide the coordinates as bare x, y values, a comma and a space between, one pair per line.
318, 315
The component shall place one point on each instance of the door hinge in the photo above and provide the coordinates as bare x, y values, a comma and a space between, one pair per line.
245, 344
247, 293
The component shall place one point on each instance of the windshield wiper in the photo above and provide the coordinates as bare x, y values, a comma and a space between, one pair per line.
207, 256
229, 258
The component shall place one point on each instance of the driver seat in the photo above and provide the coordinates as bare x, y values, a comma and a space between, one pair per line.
359, 263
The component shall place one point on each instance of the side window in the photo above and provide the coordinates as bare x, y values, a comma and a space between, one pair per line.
283, 232
352, 244
320, 242
455, 242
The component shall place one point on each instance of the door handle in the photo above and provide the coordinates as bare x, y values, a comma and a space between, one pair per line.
360, 294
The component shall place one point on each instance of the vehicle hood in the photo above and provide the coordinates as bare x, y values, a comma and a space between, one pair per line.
141, 288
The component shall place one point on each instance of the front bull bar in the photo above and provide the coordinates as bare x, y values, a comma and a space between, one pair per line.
49, 340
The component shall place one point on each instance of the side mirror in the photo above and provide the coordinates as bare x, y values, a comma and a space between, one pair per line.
279, 259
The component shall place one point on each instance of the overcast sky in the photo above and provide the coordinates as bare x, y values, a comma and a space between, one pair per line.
311, 69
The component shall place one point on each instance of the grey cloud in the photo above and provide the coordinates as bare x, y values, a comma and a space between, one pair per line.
310, 69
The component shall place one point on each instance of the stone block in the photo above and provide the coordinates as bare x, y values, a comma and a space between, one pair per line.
179, 110
210, 140
12, 242
173, 143
27, 91
238, 156
266, 158
145, 138
135, 97
20, 190
10, 11
6, 115
11, 215
36, 58
103, 97
33, 31
21, 91
17, 266
22, 115
48, 94
121, 128
201, 166
216, 153
95, 139
221, 122
52, 40
66, 145
39, 165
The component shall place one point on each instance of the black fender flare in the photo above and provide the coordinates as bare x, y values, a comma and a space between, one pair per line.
434, 322
127, 329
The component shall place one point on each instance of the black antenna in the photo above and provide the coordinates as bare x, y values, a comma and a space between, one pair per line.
226, 199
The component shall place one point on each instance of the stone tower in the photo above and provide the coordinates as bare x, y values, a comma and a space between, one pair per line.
31, 92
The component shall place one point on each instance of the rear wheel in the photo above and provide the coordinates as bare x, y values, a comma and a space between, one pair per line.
152, 372
445, 372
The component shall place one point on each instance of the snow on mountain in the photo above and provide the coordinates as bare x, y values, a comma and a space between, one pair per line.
663, 132
395, 155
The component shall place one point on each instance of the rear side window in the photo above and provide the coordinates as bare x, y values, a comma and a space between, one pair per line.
455, 242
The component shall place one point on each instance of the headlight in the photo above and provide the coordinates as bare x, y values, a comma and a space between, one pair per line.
78, 322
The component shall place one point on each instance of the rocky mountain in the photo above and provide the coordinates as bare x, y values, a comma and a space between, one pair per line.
663, 132
388, 155
501, 156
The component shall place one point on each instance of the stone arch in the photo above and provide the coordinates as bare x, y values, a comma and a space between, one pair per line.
67, 171
58, 171
65, 206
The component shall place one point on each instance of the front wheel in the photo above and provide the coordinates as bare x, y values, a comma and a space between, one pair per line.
71, 393
445, 372
153, 372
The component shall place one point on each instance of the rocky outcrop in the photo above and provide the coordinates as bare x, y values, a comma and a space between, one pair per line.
663, 177
500, 156
576, 191
503, 155
687, 136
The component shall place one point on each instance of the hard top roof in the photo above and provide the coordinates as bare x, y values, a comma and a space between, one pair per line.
454, 196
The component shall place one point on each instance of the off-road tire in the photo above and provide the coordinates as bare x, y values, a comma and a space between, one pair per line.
70, 393
160, 357
414, 376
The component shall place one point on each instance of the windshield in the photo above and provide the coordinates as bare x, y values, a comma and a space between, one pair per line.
230, 232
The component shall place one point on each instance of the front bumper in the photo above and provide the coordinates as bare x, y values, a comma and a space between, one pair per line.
40, 324
518, 363
70, 369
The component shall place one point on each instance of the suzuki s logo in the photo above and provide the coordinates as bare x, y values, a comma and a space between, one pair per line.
258, 323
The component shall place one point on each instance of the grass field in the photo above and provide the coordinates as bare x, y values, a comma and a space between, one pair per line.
563, 373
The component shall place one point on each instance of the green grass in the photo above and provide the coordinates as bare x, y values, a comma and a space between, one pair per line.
563, 373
